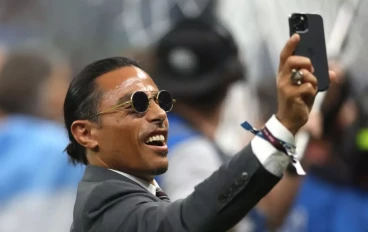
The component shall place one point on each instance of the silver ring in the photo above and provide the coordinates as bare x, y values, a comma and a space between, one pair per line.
296, 77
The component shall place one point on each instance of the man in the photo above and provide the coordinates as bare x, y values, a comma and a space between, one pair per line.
120, 134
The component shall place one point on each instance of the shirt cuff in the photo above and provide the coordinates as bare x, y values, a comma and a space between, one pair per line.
272, 159
279, 131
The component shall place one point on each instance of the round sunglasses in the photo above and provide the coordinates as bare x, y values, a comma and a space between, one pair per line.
140, 102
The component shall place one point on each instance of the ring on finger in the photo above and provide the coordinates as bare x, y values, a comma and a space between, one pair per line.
296, 77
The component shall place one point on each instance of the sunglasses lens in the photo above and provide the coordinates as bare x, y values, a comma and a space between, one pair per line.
140, 101
165, 100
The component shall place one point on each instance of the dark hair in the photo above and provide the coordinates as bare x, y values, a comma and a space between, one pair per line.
22, 77
83, 97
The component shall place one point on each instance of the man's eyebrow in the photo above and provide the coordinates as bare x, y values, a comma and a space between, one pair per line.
124, 98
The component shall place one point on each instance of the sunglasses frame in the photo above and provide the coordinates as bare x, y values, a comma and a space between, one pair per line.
130, 102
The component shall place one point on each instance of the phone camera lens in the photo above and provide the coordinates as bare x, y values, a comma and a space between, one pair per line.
300, 22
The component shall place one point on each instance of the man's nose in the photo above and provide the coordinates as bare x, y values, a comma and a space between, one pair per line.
155, 113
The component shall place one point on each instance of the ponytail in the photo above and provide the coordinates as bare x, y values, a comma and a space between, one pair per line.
76, 153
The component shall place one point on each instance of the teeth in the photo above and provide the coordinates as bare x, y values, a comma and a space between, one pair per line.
156, 138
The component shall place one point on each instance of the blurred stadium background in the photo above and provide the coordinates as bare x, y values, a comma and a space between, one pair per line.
44, 43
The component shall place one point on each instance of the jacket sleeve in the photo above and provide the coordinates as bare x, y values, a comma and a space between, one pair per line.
217, 203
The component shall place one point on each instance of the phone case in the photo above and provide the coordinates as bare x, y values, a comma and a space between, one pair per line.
312, 45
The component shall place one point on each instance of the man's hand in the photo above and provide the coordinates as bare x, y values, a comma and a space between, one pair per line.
295, 101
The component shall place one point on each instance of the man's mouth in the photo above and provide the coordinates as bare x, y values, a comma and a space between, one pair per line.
156, 140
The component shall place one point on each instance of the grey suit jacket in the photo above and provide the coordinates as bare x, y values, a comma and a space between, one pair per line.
109, 202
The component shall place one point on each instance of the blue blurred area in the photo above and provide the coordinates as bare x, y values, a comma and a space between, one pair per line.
33, 158
33, 164
322, 206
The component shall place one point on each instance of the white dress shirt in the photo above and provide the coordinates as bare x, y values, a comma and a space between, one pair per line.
272, 159
151, 187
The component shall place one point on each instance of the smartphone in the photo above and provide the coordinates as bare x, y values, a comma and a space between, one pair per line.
312, 44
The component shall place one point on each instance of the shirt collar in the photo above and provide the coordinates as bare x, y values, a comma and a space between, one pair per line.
150, 187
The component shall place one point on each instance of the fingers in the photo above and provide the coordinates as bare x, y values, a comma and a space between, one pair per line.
298, 62
308, 90
288, 49
310, 80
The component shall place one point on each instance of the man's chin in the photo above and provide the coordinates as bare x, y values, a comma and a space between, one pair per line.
159, 171
162, 153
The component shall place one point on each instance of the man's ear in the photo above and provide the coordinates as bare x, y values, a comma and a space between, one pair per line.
82, 131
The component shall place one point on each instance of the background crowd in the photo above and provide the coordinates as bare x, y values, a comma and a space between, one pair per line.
218, 58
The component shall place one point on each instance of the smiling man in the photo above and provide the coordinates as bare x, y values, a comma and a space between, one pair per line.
117, 124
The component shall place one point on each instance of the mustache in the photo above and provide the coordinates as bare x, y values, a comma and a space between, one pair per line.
158, 127
163, 126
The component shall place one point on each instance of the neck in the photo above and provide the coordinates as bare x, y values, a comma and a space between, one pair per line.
94, 159
204, 122
146, 178
149, 180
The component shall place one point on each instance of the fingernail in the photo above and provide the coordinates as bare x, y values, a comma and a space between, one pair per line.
312, 69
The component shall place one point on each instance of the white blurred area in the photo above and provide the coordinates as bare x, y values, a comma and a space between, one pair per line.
39, 212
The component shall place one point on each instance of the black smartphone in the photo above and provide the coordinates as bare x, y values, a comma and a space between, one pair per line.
312, 44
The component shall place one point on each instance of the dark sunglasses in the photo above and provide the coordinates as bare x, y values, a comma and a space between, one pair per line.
140, 102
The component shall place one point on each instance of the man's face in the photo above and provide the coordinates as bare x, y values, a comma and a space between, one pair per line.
123, 135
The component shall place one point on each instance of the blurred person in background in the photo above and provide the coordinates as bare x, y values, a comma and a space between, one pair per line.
53, 88
198, 62
38, 186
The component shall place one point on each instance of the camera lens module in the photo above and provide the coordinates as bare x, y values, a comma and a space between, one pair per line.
300, 22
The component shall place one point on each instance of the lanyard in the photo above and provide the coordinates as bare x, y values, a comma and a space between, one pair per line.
287, 148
